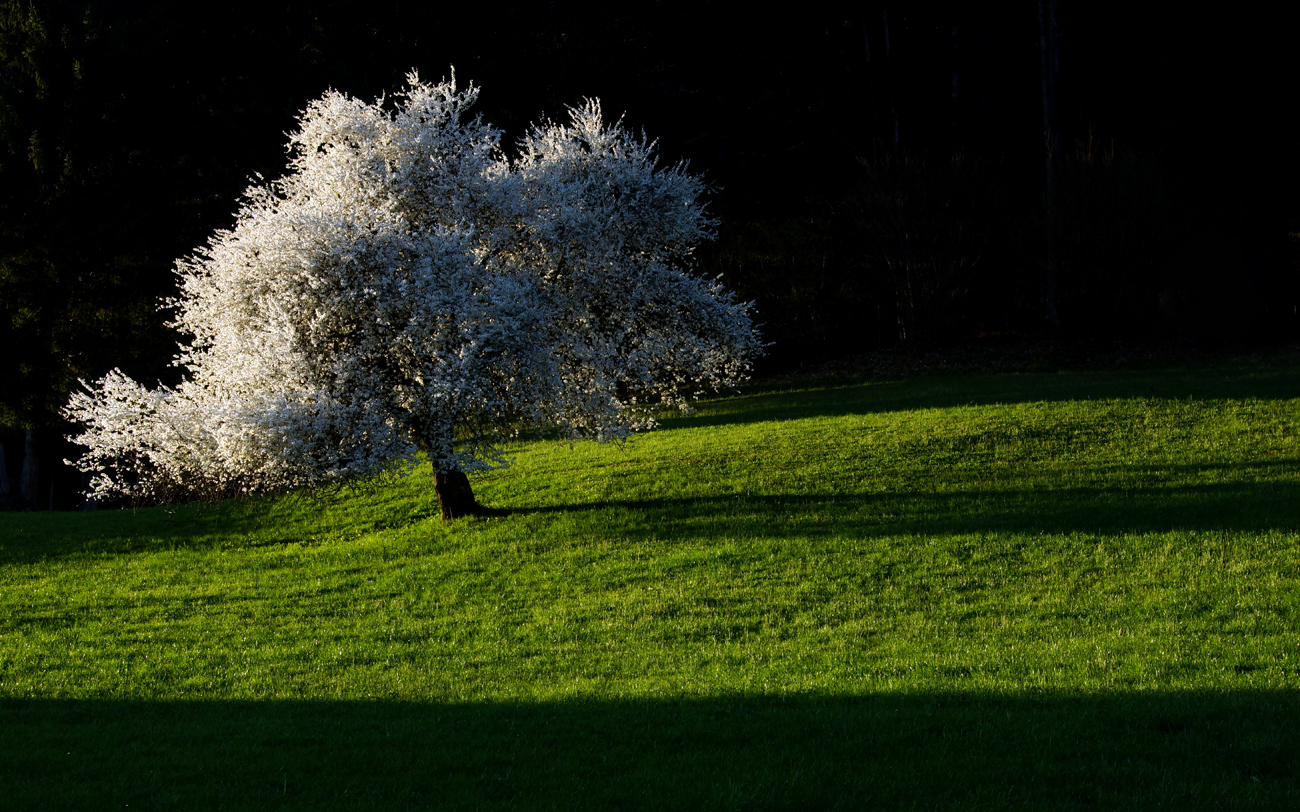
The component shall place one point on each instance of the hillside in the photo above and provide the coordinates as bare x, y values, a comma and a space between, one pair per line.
983, 590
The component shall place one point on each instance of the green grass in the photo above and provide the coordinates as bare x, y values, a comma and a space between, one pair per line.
1049, 591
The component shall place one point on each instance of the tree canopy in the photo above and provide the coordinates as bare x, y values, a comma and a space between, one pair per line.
408, 289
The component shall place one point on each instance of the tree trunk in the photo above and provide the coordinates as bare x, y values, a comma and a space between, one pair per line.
4, 474
27, 482
1049, 50
869, 74
954, 111
984, 91
455, 496
889, 77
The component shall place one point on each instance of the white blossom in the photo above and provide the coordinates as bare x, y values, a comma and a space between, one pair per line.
407, 289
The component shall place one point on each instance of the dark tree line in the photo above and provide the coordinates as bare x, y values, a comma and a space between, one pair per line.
885, 171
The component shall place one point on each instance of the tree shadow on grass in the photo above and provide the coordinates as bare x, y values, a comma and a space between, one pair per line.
1255, 502
1244, 506
940, 392
1194, 750
302, 520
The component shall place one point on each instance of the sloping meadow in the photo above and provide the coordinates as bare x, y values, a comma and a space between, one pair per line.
1061, 590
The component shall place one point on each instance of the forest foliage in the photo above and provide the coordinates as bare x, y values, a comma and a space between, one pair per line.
878, 168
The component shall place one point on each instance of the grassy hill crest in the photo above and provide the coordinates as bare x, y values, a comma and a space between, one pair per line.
1095, 553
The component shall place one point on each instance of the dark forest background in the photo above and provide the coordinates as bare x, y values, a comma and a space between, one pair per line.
884, 172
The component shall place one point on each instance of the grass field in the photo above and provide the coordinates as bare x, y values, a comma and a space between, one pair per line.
1071, 591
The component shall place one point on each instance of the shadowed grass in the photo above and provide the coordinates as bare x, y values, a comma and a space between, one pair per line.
890, 751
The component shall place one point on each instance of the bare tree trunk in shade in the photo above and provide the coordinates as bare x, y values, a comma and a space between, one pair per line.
889, 77
4, 475
27, 481
984, 92
1049, 47
956, 84
871, 79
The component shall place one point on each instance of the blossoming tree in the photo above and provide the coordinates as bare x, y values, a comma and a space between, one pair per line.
407, 290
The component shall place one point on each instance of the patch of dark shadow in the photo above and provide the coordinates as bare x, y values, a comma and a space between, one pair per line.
1173, 726
1250, 500
884, 750
1243, 506
987, 390
1273, 760
398, 522
197, 528
285, 541
1021, 441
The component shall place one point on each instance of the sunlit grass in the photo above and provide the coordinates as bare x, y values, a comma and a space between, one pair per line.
1013, 539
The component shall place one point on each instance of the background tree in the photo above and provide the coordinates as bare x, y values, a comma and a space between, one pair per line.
78, 290
405, 289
